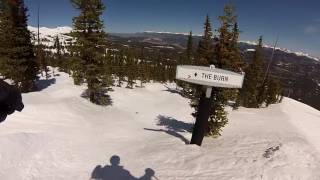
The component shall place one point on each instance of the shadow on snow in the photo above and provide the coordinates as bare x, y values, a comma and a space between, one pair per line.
174, 91
45, 83
116, 172
172, 127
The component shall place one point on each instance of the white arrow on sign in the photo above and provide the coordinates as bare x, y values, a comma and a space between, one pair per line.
209, 76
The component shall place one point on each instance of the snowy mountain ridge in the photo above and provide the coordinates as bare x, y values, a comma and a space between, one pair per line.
50, 33
298, 53
165, 32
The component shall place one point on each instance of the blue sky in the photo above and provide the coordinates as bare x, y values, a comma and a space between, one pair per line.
297, 22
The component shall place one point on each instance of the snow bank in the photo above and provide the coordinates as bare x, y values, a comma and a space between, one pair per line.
62, 136
305, 118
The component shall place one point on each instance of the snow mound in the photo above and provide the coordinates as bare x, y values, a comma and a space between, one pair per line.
60, 135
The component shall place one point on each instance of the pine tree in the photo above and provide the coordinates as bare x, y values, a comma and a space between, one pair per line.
159, 68
57, 46
130, 69
237, 63
227, 56
58, 54
250, 93
16, 50
186, 59
171, 70
205, 54
120, 70
143, 71
189, 50
205, 48
90, 48
42, 60
273, 92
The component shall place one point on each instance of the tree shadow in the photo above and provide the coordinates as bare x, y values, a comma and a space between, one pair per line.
116, 172
45, 83
174, 91
102, 98
173, 127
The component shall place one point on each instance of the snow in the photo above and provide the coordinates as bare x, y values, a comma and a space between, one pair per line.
60, 135
250, 50
311, 115
164, 47
306, 55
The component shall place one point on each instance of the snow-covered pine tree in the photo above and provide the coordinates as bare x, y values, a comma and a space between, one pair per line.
18, 62
250, 92
89, 48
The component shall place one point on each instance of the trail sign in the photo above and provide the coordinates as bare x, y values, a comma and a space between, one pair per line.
209, 76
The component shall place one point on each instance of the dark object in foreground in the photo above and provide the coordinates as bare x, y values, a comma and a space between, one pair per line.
10, 100
201, 124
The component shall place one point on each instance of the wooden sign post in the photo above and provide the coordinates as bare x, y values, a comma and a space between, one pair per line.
209, 77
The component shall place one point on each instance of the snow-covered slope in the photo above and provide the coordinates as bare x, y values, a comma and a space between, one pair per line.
60, 135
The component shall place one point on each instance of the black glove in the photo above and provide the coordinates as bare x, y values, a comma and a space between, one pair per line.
10, 100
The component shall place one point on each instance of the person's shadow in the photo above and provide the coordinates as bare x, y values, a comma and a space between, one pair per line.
117, 172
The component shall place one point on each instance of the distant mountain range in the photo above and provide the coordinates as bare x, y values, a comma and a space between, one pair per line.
48, 35
153, 37
299, 72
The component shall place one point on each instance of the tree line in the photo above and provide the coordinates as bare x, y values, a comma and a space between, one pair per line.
89, 59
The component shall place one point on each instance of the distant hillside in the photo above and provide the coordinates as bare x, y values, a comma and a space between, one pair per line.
298, 72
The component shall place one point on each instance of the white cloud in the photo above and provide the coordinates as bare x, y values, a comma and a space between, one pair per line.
310, 29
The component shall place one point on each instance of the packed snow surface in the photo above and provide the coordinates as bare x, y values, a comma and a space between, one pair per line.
60, 135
